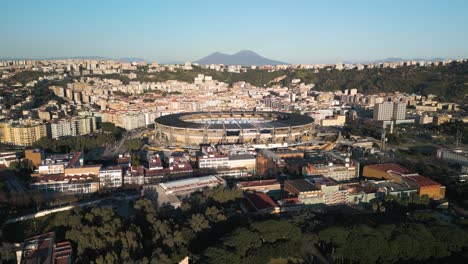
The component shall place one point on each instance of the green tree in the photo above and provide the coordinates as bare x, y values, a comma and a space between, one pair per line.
198, 222
216, 255
272, 230
22, 169
7, 253
242, 240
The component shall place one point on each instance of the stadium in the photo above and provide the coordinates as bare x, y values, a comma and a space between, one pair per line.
192, 129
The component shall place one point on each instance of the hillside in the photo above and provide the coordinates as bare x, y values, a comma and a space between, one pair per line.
448, 83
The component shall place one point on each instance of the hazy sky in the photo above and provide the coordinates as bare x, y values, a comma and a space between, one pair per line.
294, 31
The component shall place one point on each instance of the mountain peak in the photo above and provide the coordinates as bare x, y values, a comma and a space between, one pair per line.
217, 53
246, 52
243, 57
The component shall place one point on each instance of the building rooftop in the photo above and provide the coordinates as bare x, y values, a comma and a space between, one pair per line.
241, 157
362, 187
257, 183
116, 167
73, 161
301, 185
41, 250
192, 183
239, 120
319, 181
390, 167
422, 181
38, 249
64, 178
393, 186
62, 253
260, 201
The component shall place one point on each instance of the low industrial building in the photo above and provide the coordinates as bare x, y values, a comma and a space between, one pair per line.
264, 186
216, 158
72, 184
402, 175
170, 193
456, 156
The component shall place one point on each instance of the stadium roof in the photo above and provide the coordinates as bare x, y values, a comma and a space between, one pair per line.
240, 120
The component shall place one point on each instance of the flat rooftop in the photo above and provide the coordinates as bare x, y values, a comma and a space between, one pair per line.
192, 183
302, 185
390, 167
394, 186
422, 181
257, 183
38, 249
241, 157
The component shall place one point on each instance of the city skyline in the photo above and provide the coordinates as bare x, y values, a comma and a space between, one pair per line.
179, 31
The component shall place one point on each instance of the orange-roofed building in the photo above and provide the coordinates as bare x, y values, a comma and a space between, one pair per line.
400, 174
387, 171
426, 186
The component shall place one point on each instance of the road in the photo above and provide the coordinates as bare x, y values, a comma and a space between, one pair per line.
118, 147
70, 207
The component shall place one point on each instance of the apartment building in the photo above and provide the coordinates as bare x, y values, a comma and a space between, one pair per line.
110, 177
388, 111
72, 127
22, 134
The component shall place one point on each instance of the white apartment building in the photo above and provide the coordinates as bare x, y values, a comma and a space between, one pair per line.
399, 111
110, 177
47, 169
213, 161
387, 111
73, 127
132, 121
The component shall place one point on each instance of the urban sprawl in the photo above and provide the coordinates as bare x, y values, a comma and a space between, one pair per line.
286, 146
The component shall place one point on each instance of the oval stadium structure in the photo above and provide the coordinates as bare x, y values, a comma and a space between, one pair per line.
192, 129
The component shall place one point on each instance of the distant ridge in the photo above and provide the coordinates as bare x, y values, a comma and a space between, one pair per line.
243, 57
403, 59
129, 59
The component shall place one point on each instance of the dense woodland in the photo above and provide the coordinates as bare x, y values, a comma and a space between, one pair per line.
210, 228
106, 136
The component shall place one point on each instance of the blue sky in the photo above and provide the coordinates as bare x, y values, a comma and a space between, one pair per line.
296, 31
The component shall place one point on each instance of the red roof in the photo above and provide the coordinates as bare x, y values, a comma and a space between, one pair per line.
63, 177
260, 201
257, 183
153, 173
422, 181
74, 160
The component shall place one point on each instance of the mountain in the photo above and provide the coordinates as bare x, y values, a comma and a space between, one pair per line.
244, 57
